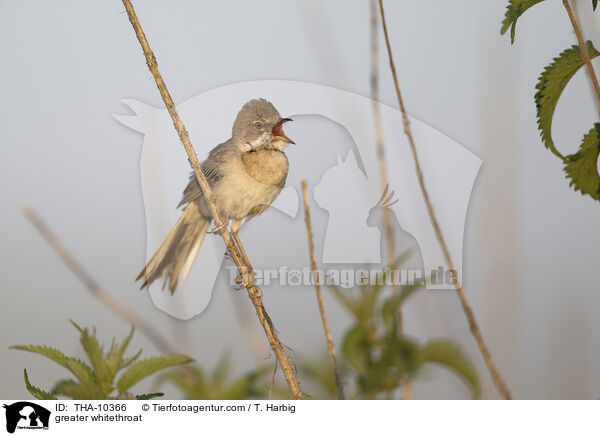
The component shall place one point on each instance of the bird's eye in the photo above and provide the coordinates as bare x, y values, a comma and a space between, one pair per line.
258, 124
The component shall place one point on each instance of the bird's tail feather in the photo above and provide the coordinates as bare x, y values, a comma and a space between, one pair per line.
174, 258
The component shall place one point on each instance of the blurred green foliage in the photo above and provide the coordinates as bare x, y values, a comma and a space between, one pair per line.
375, 355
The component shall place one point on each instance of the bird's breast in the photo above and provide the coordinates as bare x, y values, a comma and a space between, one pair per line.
269, 167
251, 183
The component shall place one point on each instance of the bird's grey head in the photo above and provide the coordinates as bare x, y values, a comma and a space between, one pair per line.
258, 125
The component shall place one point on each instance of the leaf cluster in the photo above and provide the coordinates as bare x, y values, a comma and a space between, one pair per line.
376, 355
581, 168
199, 384
98, 380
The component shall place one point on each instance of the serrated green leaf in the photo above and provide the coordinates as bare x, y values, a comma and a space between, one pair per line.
77, 367
450, 355
95, 353
550, 86
49, 352
126, 362
114, 359
35, 391
146, 367
149, 396
514, 10
582, 167
77, 391
81, 370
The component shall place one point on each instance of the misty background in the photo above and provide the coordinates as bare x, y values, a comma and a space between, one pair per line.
531, 243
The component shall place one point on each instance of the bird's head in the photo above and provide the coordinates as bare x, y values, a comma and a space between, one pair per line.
258, 125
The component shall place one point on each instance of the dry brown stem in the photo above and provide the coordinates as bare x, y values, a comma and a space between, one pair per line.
500, 385
244, 269
94, 287
583, 51
313, 267
383, 173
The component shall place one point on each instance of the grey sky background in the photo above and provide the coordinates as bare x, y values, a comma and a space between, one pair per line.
531, 243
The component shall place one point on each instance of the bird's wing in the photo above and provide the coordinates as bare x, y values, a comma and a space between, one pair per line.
212, 169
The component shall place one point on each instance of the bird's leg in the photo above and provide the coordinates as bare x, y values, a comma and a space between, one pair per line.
249, 279
218, 229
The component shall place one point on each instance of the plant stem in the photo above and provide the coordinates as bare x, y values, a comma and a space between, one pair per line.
244, 268
500, 385
583, 51
94, 287
313, 267
383, 173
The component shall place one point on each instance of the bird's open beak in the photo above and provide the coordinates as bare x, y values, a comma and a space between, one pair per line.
278, 131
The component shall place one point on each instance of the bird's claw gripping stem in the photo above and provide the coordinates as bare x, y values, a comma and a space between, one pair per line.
246, 278
217, 229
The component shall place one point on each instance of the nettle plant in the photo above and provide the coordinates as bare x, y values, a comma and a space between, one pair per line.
98, 381
581, 168
376, 357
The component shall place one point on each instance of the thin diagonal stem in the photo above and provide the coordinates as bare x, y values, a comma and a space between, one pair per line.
500, 385
383, 173
583, 51
313, 267
244, 269
96, 288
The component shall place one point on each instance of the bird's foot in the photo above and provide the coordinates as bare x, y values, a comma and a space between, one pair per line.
245, 278
217, 229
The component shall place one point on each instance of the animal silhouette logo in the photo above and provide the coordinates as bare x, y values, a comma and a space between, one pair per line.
26, 415
335, 152
347, 217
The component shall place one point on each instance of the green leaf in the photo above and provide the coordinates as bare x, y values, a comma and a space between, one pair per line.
514, 10
126, 362
77, 391
582, 167
390, 306
594, 4
96, 355
35, 391
149, 396
79, 369
50, 353
450, 355
147, 367
550, 86
357, 347
115, 354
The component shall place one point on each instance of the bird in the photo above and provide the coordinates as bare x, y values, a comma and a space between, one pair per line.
246, 173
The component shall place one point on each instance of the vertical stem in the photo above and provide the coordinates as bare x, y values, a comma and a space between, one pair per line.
244, 268
500, 385
313, 267
583, 51
383, 173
